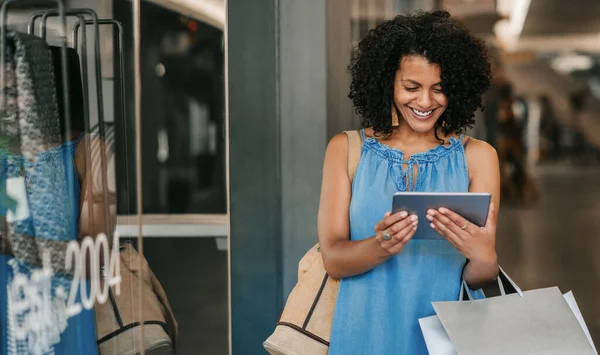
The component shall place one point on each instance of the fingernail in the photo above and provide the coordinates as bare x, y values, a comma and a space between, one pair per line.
415, 227
403, 214
442, 210
429, 217
431, 212
432, 225
414, 218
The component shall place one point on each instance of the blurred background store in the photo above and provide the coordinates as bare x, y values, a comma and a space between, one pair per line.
546, 72
239, 100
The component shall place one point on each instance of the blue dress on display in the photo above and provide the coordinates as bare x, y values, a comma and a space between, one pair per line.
50, 215
378, 312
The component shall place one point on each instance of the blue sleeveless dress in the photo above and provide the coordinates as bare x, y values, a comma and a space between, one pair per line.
77, 334
378, 312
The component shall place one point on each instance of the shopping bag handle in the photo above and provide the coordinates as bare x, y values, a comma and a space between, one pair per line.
506, 284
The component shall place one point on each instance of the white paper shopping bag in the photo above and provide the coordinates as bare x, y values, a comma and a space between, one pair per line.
533, 322
438, 342
575, 308
436, 338
539, 322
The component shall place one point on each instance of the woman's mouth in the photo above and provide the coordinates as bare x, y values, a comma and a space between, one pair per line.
422, 115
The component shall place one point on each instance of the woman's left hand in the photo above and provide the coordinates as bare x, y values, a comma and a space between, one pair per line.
475, 243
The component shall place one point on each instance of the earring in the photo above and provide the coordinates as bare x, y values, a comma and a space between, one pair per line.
395, 121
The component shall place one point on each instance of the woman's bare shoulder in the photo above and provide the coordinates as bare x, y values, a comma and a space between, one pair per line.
337, 148
478, 149
481, 157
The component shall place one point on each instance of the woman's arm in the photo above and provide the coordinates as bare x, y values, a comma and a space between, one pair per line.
96, 187
341, 256
484, 175
477, 244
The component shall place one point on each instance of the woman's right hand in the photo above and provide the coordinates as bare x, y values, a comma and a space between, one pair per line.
400, 227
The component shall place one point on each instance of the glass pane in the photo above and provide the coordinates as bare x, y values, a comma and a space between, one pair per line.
183, 165
183, 110
68, 168
60, 262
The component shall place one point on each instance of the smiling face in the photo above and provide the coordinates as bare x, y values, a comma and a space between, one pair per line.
418, 93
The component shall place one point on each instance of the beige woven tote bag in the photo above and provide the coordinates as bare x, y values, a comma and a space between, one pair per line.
305, 324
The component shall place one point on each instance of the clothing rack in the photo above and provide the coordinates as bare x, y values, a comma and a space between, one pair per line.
108, 136
85, 17
79, 13
93, 20
119, 27
83, 56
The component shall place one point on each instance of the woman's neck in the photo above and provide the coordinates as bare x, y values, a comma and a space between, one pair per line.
407, 135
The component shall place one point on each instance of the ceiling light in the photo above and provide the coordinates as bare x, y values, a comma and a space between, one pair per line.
571, 62
508, 31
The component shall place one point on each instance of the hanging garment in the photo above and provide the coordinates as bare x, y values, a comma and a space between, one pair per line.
39, 173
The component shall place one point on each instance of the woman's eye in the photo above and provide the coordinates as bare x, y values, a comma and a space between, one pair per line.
411, 89
437, 91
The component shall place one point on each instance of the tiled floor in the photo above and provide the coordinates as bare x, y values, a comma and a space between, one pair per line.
194, 275
557, 243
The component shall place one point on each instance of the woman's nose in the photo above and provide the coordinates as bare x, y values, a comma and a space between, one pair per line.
424, 100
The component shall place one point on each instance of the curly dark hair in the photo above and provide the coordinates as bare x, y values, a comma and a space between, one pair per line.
463, 59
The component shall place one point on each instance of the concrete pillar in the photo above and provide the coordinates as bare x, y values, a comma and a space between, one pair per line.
277, 139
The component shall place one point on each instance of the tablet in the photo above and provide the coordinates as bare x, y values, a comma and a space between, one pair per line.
471, 205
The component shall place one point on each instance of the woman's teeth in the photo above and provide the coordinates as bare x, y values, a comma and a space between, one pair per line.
422, 113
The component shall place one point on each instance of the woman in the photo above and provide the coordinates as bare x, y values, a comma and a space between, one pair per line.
75, 334
516, 181
550, 131
428, 73
66, 202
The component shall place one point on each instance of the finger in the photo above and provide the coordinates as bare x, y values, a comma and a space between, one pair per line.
404, 227
398, 238
385, 244
443, 228
445, 232
455, 217
409, 235
451, 224
456, 243
459, 220
390, 231
491, 217
402, 224
397, 233
389, 219
388, 244
402, 243
379, 226
395, 218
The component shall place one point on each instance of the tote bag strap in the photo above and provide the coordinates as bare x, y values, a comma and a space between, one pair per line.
505, 283
354, 152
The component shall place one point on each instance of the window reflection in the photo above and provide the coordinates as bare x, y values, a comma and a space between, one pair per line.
56, 199
81, 304
183, 125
